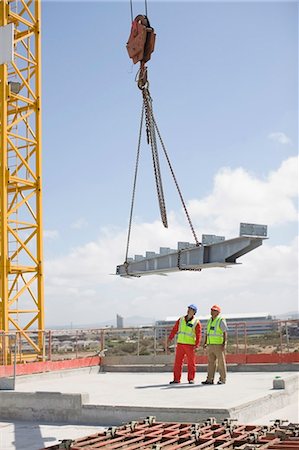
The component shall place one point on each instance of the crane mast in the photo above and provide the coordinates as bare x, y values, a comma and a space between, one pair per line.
21, 250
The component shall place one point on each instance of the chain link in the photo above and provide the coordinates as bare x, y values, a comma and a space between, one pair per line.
185, 268
151, 139
176, 183
151, 129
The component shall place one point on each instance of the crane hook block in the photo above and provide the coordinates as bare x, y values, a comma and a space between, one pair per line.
141, 43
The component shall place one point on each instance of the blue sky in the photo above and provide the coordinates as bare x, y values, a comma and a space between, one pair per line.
223, 79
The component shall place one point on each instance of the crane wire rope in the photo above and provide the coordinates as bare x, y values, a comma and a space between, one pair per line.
131, 8
134, 186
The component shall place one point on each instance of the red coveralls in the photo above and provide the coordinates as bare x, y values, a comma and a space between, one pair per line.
185, 349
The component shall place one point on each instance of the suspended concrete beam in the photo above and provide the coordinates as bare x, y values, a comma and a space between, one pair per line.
215, 251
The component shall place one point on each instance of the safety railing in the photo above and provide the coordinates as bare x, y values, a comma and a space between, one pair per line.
244, 338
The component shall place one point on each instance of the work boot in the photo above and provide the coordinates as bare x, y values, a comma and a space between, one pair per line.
207, 382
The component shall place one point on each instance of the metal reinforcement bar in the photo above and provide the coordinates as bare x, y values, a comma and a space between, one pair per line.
214, 251
209, 435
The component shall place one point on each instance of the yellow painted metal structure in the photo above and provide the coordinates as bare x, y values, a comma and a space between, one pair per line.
21, 251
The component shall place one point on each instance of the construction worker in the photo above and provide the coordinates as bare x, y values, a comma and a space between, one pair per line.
215, 341
188, 329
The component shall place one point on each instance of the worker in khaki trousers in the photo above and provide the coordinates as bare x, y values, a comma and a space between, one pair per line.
215, 341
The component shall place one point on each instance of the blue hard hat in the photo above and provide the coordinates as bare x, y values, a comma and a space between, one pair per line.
194, 307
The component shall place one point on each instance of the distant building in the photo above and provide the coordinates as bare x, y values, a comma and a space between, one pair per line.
253, 323
119, 321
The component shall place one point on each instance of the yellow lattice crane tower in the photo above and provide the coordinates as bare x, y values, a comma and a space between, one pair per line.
21, 252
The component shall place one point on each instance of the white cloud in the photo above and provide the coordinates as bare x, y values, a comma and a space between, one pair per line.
73, 291
80, 287
51, 234
79, 224
280, 137
265, 281
241, 197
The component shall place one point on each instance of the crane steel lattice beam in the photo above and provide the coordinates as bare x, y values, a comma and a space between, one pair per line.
21, 253
216, 252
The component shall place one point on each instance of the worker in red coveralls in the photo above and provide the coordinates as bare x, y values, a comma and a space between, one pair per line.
188, 329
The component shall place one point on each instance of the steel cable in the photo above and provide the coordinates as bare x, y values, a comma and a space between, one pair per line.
134, 184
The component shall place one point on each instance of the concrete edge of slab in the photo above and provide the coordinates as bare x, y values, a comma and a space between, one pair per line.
286, 367
261, 407
248, 411
117, 415
58, 373
283, 389
7, 383
74, 408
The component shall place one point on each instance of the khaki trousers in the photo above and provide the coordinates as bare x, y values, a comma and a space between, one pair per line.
216, 355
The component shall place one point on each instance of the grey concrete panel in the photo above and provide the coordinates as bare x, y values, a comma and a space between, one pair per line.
43, 406
251, 229
278, 383
7, 383
117, 415
220, 254
208, 239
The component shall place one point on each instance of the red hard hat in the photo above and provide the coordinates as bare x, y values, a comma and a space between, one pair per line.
216, 308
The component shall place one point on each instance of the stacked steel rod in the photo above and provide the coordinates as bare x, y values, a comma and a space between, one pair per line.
149, 434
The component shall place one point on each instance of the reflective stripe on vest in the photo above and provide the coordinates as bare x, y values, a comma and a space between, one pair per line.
186, 333
214, 332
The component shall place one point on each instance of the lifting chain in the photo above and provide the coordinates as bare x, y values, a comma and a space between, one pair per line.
151, 139
140, 45
151, 130
185, 268
197, 243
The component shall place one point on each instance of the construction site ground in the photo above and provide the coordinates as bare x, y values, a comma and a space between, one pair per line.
46, 408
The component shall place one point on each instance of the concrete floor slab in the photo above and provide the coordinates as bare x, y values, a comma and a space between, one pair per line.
142, 390
34, 436
147, 389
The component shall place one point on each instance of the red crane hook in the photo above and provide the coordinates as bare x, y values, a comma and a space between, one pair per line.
140, 45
